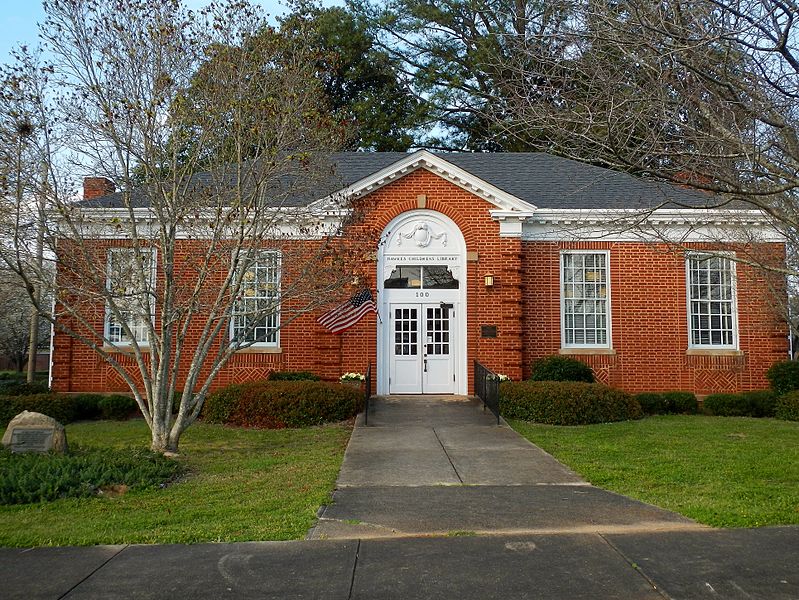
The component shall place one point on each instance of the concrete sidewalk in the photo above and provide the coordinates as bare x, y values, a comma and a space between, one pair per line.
685, 565
436, 466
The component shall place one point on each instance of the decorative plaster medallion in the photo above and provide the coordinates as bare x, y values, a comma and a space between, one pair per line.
422, 234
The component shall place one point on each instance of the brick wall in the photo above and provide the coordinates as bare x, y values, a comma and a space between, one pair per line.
650, 323
649, 327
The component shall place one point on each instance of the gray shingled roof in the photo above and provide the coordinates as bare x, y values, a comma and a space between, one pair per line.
543, 180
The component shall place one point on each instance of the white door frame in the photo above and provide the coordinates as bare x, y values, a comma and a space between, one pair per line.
421, 237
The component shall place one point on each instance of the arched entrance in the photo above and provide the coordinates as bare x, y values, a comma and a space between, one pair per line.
421, 282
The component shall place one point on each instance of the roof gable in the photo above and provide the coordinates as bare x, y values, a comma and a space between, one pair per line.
422, 159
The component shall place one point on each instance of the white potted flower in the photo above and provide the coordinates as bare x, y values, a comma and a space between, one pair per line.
353, 379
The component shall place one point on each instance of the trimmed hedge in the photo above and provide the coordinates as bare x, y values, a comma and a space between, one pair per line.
16, 387
63, 409
566, 403
280, 404
727, 405
787, 407
117, 407
67, 408
663, 403
293, 376
652, 403
28, 478
561, 368
681, 403
783, 376
760, 403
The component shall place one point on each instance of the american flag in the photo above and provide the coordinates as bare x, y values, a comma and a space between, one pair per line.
348, 314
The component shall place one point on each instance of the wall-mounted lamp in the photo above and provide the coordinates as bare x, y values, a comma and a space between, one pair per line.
489, 280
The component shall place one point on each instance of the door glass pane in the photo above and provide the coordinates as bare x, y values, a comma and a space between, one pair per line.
406, 328
438, 334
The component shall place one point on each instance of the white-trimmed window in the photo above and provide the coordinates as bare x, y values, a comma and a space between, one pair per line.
585, 299
130, 279
712, 311
256, 315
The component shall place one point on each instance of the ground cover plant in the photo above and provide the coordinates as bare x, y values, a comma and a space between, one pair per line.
81, 473
724, 472
240, 484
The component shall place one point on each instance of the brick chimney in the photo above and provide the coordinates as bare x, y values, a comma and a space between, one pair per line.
94, 187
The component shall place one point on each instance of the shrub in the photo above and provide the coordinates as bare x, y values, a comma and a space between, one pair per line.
87, 406
652, 403
26, 478
762, 402
278, 404
787, 407
566, 403
61, 407
561, 368
22, 388
117, 407
66, 408
728, 405
293, 376
784, 376
681, 403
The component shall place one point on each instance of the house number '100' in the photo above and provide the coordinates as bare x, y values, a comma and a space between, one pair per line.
422, 294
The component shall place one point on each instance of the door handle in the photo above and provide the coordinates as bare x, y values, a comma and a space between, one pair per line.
425, 365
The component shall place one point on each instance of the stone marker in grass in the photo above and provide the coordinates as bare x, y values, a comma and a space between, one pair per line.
35, 432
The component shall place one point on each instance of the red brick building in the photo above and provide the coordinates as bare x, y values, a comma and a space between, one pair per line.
506, 258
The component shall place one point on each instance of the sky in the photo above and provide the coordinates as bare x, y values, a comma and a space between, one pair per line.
18, 19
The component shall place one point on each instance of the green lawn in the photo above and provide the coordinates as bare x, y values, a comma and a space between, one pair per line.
724, 472
243, 485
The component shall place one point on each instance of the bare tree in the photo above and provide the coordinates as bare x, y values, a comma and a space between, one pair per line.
14, 320
213, 129
701, 93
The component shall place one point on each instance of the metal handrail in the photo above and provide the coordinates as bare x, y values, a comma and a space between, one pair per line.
486, 387
367, 393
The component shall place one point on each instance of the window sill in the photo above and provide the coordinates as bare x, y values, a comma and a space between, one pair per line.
713, 352
260, 350
125, 349
605, 351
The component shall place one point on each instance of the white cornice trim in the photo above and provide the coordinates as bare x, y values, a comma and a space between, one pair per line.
422, 159
691, 224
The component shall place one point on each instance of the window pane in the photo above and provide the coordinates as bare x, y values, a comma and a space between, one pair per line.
256, 316
438, 277
711, 297
404, 277
130, 279
585, 303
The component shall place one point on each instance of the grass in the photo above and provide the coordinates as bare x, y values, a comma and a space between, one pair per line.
721, 471
243, 484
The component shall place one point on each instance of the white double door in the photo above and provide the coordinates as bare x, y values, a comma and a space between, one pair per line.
422, 355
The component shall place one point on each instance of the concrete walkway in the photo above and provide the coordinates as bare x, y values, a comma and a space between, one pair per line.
438, 466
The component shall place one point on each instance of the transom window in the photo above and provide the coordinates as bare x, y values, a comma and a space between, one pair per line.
256, 315
711, 301
585, 299
130, 276
429, 277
